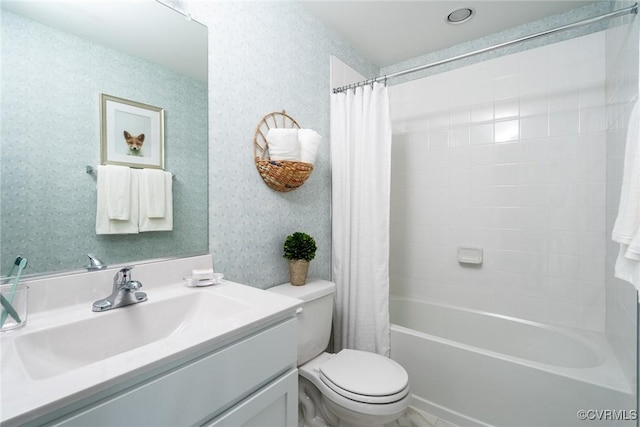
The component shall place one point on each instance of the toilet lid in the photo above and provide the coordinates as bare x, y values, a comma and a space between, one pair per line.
365, 374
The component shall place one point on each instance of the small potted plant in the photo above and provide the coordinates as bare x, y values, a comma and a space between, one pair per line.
299, 249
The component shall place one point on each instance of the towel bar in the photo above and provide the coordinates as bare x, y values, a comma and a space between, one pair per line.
92, 171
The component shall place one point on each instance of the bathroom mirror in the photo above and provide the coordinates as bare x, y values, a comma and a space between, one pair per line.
57, 58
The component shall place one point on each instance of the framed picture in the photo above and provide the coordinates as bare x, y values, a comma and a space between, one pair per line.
132, 133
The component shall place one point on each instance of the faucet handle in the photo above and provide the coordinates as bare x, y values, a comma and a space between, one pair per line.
122, 276
132, 285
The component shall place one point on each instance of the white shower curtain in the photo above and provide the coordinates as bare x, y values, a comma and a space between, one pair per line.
361, 174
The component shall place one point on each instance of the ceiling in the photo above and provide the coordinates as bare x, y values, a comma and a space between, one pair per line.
388, 32
133, 27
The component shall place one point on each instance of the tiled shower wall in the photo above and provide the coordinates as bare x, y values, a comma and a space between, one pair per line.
621, 93
507, 155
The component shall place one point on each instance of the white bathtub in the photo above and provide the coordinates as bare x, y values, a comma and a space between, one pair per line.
475, 368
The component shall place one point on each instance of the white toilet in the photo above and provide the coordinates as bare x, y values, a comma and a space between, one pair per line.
350, 388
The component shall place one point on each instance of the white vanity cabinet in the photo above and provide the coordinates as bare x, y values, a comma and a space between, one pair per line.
222, 355
252, 381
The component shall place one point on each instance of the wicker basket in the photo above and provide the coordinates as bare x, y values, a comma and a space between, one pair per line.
279, 175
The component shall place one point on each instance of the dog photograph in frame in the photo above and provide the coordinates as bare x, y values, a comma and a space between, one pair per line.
132, 133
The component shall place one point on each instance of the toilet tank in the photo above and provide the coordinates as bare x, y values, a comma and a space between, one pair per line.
314, 321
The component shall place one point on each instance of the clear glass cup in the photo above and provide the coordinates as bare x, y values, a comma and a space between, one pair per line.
14, 305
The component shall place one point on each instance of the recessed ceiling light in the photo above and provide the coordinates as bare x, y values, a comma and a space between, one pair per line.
459, 16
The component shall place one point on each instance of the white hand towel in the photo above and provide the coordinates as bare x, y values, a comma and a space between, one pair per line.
283, 144
106, 225
152, 188
309, 142
626, 229
147, 223
118, 181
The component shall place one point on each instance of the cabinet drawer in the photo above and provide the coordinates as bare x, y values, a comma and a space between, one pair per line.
275, 405
194, 393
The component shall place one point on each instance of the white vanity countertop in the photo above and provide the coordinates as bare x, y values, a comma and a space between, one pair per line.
27, 394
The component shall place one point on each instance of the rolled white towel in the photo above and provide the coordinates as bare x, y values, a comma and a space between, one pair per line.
283, 144
309, 142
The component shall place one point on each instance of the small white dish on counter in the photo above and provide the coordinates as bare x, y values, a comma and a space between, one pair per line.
215, 280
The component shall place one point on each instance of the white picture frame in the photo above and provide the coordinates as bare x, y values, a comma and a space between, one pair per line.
132, 133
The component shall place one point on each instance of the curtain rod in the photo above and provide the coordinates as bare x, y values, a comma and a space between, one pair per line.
620, 12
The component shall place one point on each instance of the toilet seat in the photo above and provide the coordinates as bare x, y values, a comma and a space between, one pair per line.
365, 377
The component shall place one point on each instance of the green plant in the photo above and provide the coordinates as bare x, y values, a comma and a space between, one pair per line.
300, 246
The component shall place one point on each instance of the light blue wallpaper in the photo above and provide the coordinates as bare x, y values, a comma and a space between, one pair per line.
268, 56
264, 57
572, 16
50, 88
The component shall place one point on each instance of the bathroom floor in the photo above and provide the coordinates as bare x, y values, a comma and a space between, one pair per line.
416, 418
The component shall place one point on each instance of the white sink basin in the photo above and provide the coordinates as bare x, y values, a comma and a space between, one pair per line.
67, 352
103, 335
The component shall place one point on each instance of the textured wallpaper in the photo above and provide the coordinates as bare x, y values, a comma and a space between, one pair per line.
265, 57
51, 82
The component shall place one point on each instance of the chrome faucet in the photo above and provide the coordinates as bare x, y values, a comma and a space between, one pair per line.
95, 263
124, 292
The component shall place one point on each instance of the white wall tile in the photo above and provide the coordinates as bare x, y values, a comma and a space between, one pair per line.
564, 122
481, 134
458, 177
520, 173
534, 105
591, 194
565, 100
506, 174
592, 270
482, 112
508, 130
592, 95
592, 119
438, 139
534, 127
534, 79
592, 244
591, 71
506, 108
460, 116
459, 136
592, 144
439, 120
562, 195
508, 152
481, 155
592, 46
535, 150
533, 195
562, 242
